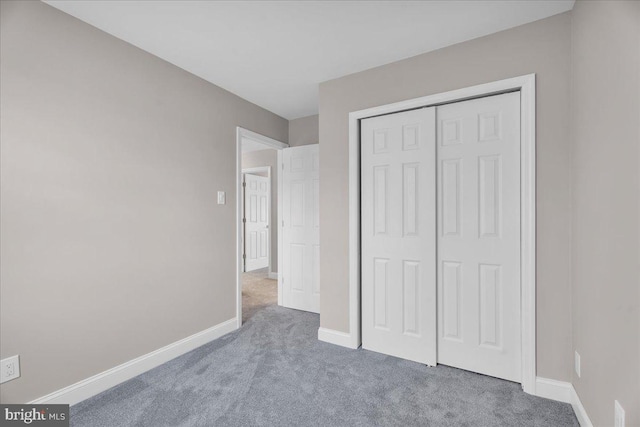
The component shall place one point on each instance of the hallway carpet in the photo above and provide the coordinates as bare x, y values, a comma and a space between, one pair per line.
258, 292
275, 372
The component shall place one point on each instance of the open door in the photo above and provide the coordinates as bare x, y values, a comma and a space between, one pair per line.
301, 228
256, 221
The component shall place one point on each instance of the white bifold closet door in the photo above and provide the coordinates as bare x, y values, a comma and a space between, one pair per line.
256, 221
440, 217
398, 196
301, 228
479, 235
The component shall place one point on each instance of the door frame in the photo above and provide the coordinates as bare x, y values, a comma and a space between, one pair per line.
258, 169
246, 134
526, 85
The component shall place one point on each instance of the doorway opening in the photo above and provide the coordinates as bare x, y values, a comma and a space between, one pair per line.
259, 161
259, 281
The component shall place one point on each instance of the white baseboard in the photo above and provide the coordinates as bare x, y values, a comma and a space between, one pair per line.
336, 337
554, 389
563, 391
273, 275
105, 380
581, 413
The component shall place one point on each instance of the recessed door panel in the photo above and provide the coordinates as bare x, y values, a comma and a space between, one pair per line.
316, 271
297, 203
451, 172
263, 207
451, 300
264, 241
380, 201
410, 202
411, 297
490, 319
489, 188
297, 267
380, 292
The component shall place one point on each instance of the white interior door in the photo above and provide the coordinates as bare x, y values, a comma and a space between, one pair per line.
398, 191
256, 221
301, 228
479, 235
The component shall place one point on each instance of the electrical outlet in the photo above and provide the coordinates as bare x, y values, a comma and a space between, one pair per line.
9, 368
618, 418
577, 363
222, 198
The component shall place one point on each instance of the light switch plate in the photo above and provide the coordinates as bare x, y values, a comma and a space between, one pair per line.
222, 198
577, 363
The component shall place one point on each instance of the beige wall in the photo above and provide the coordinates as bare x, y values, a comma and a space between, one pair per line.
112, 242
303, 131
268, 157
606, 215
542, 47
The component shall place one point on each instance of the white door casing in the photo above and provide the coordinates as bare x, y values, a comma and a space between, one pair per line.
398, 199
300, 273
256, 221
243, 134
477, 160
479, 235
526, 85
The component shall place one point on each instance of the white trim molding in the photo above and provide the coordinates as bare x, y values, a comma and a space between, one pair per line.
105, 380
581, 413
279, 225
258, 169
526, 86
554, 390
273, 275
262, 139
563, 391
244, 134
336, 337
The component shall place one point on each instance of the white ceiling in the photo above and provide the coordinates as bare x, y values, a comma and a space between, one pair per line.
274, 53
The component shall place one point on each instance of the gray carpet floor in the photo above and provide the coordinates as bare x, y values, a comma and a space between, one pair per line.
274, 372
258, 292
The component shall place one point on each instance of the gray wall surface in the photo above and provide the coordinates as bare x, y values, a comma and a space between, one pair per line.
303, 131
112, 242
606, 212
268, 157
542, 47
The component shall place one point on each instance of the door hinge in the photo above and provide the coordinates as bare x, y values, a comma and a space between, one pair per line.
244, 256
244, 184
244, 220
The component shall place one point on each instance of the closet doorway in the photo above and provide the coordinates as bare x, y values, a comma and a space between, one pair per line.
441, 235
445, 189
